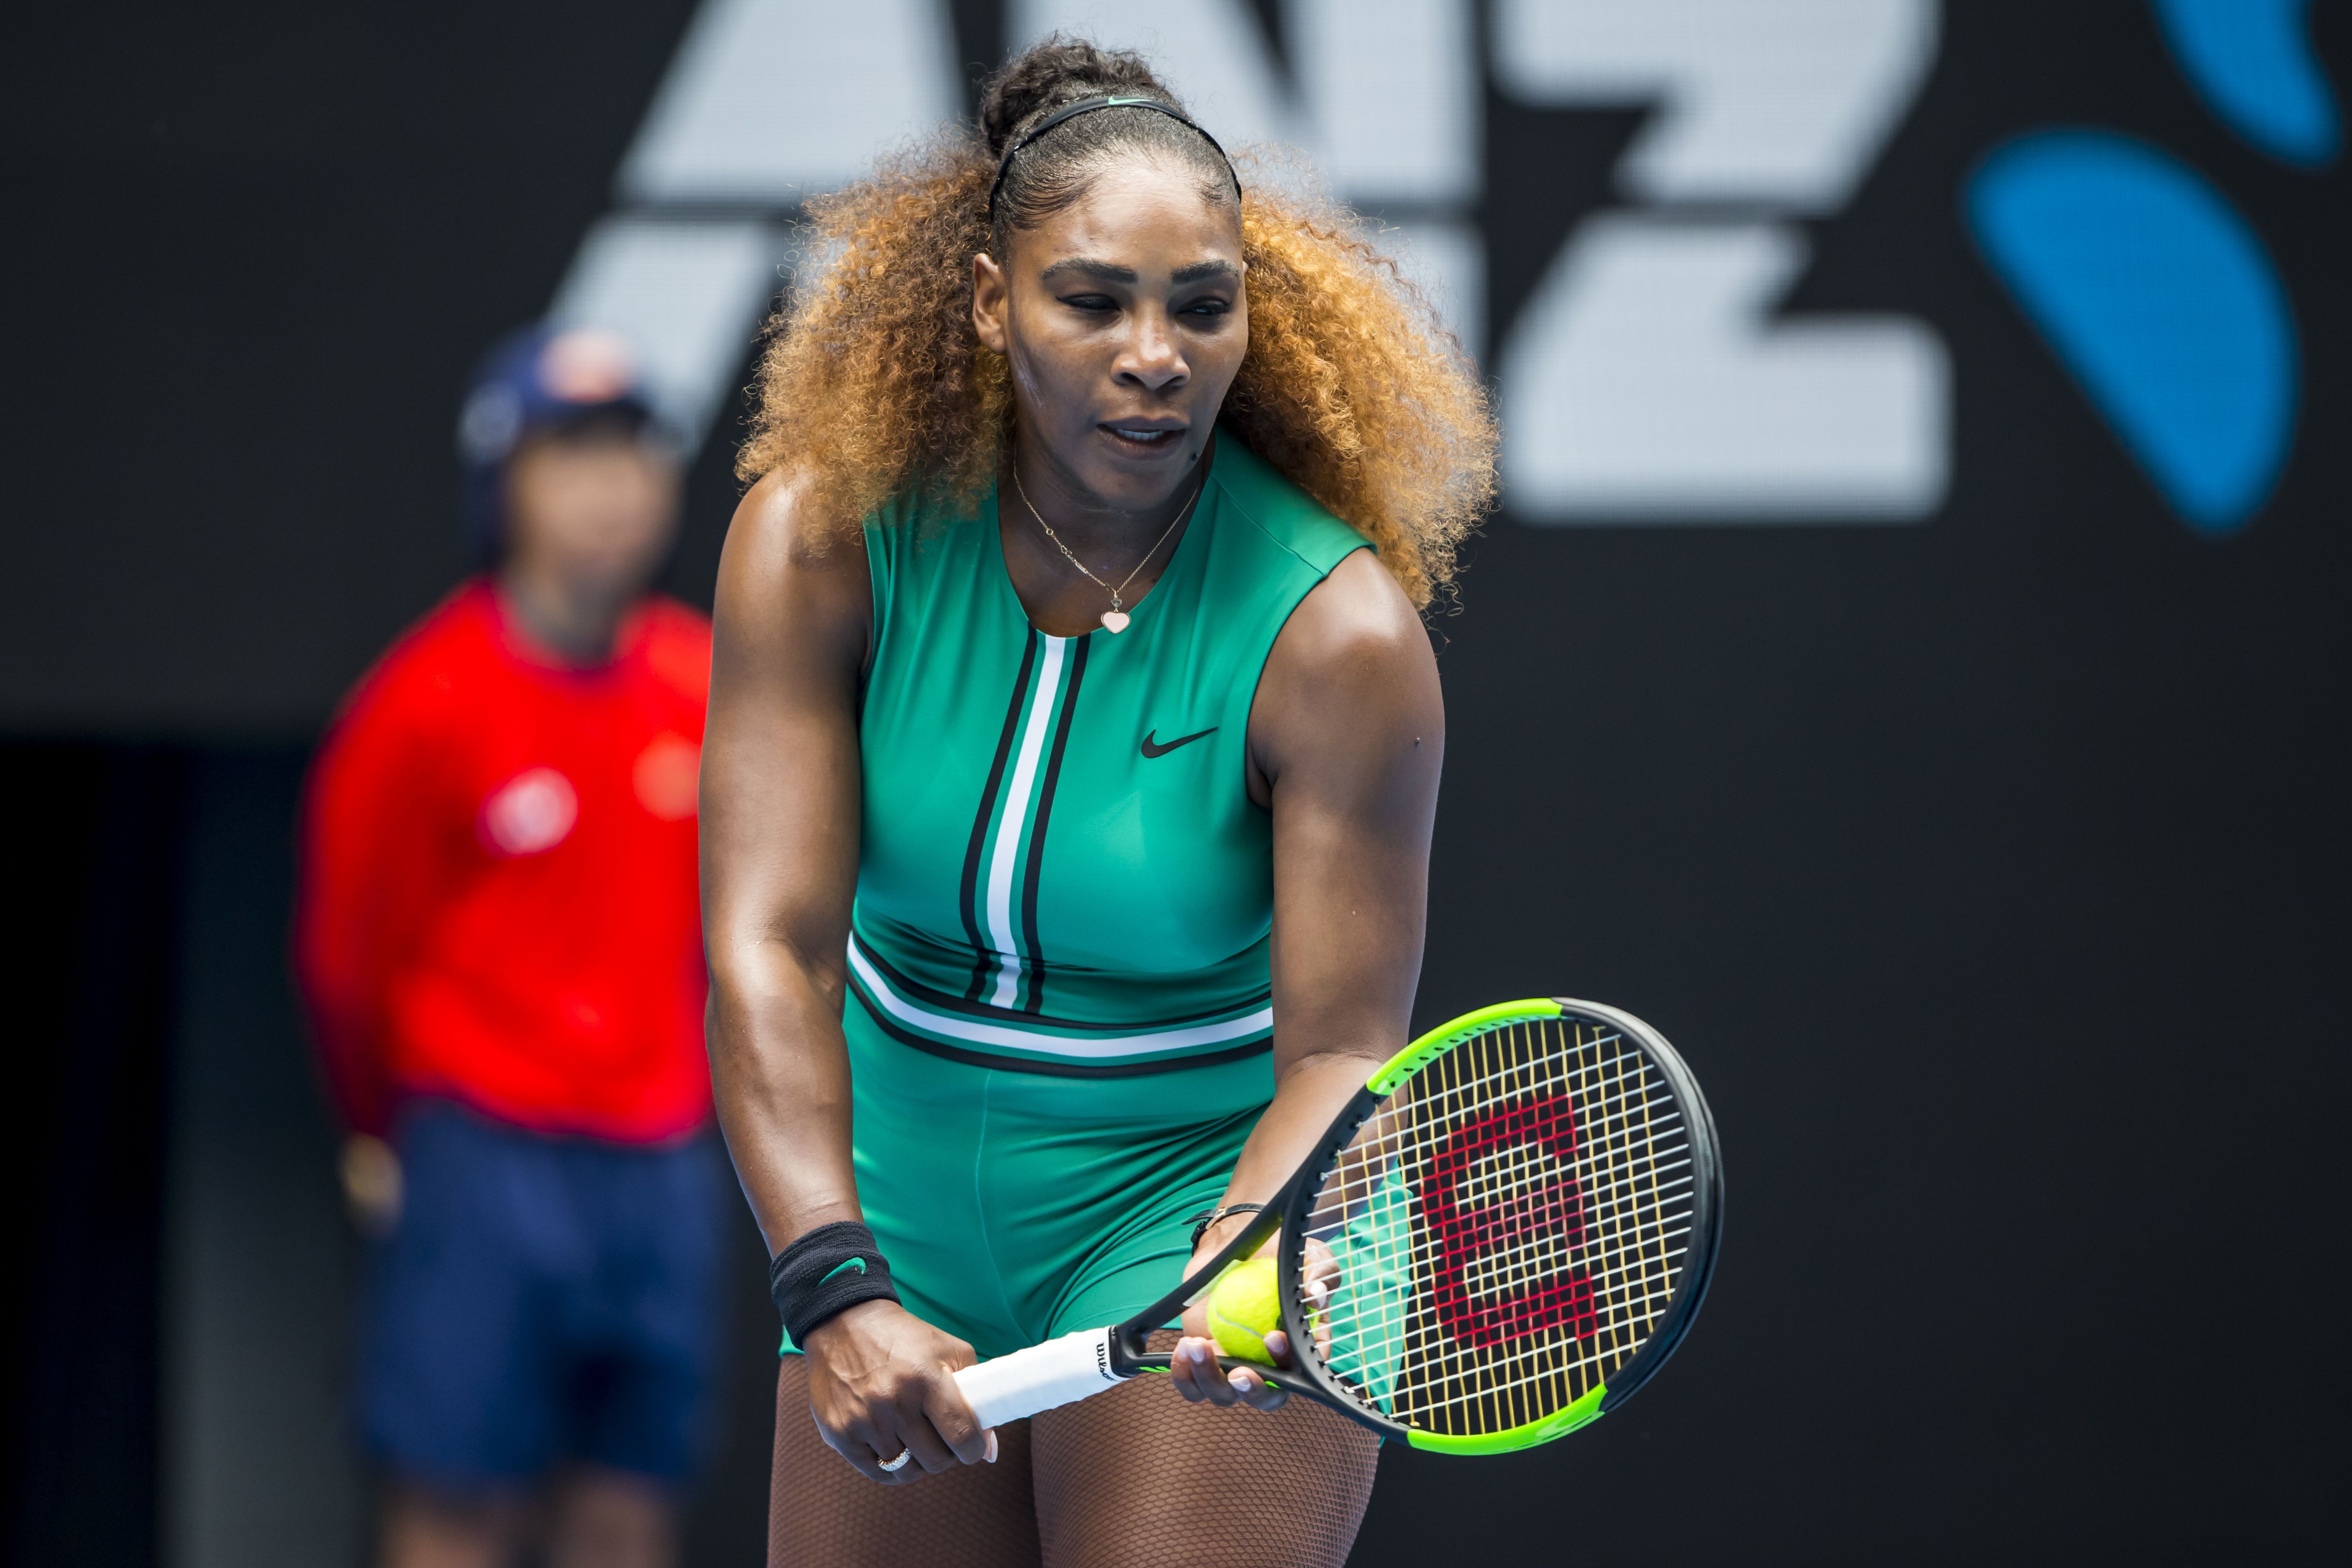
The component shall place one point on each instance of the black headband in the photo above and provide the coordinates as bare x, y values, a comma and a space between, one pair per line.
1088, 106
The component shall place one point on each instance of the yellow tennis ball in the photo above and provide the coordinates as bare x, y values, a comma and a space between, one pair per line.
1244, 1308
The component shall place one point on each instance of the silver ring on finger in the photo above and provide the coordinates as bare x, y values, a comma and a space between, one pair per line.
900, 1463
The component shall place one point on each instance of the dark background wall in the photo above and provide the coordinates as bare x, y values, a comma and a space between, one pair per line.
1990, 869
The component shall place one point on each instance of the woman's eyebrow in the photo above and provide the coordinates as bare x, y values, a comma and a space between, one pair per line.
1201, 269
1087, 266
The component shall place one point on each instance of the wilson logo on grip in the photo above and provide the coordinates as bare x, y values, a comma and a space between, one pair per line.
1501, 1205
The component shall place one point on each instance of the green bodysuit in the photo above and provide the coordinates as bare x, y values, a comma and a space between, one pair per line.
1060, 1017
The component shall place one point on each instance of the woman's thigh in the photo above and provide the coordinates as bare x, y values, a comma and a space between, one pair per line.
1135, 1477
823, 1514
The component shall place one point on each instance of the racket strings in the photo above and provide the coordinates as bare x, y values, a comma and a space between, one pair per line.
1540, 1254
1619, 1119
1348, 1181
1671, 1172
1674, 1180
1643, 1230
1502, 1236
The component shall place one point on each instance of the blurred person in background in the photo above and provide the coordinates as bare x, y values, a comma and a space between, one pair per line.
498, 941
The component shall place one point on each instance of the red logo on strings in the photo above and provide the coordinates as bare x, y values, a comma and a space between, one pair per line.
1543, 1219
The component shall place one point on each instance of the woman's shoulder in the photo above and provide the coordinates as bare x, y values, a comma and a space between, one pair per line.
794, 599
1286, 517
1344, 626
784, 520
1350, 684
787, 556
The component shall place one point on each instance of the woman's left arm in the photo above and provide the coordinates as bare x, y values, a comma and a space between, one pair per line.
1347, 736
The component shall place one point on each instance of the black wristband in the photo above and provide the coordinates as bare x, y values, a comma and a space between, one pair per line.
1201, 1222
826, 1273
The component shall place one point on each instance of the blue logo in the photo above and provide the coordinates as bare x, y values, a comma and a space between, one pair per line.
2250, 60
2159, 299
2153, 289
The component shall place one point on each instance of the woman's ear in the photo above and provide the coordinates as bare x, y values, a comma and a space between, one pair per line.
991, 295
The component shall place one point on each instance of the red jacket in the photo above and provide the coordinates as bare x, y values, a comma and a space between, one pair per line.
497, 898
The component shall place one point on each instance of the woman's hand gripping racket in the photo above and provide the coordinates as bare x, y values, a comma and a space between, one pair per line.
1503, 1236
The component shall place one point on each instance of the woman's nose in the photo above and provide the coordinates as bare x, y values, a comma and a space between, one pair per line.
1151, 356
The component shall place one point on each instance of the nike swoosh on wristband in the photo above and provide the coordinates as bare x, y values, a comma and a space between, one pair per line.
857, 1263
1153, 749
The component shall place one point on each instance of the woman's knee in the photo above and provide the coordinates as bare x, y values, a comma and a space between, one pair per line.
1135, 1476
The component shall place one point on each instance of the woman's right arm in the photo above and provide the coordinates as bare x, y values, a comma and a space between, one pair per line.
779, 836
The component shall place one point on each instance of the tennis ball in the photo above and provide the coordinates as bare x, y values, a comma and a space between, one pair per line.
1244, 1308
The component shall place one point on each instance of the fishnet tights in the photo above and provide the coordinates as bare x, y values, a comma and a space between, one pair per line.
1133, 1478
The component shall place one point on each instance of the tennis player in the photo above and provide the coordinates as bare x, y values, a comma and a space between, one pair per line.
1074, 746
499, 942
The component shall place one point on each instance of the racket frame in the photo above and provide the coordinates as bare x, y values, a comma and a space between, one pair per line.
1288, 1213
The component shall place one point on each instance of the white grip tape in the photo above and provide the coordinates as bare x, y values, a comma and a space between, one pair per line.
1056, 1373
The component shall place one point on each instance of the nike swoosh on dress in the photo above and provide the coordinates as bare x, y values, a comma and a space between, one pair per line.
1153, 749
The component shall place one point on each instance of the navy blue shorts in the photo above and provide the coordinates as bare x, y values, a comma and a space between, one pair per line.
543, 1298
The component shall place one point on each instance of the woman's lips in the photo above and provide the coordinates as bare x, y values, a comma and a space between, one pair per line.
1142, 438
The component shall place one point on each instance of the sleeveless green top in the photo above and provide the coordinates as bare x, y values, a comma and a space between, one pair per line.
1061, 870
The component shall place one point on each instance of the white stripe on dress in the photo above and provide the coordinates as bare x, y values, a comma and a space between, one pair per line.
1016, 813
978, 1033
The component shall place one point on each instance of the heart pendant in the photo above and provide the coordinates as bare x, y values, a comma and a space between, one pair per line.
1115, 620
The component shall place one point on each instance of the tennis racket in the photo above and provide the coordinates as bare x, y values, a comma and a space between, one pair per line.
1505, 1234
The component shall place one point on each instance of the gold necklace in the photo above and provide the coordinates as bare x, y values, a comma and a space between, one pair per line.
1115, 617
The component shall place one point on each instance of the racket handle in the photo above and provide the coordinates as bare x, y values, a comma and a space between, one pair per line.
1038, 1378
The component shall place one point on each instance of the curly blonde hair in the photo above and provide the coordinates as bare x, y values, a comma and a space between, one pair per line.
874, 383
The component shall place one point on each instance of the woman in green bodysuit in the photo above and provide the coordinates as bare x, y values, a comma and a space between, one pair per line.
1073, 749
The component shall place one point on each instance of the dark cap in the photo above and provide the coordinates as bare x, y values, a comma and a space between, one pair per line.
539, 379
